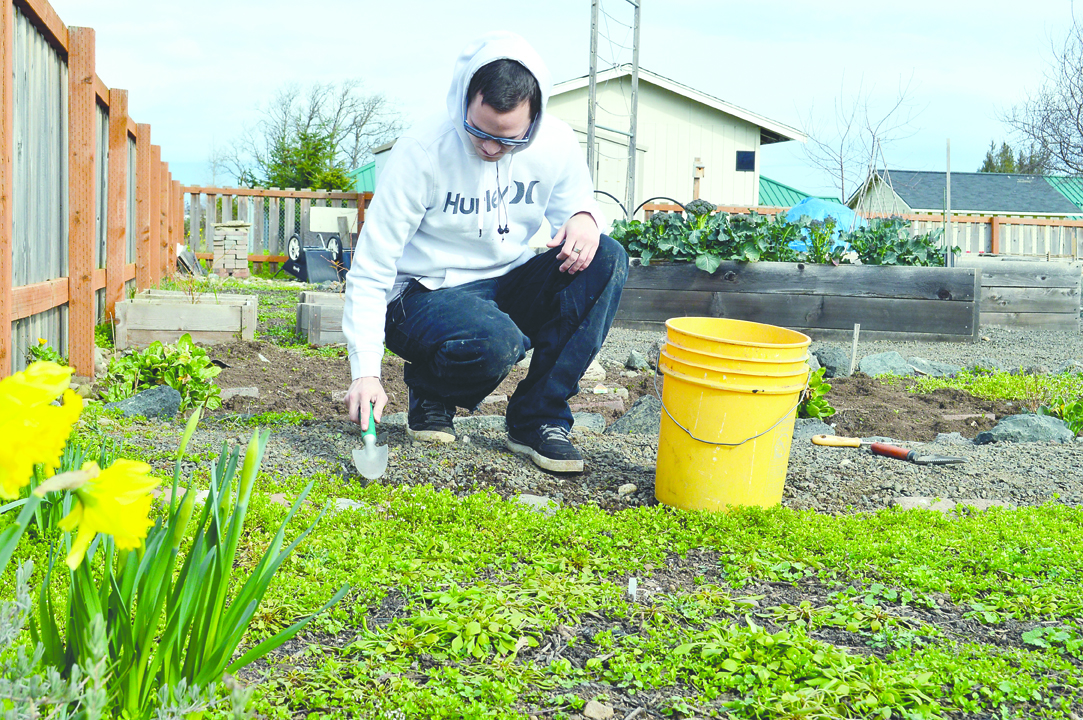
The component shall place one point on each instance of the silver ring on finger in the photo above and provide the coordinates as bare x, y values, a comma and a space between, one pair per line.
576, 250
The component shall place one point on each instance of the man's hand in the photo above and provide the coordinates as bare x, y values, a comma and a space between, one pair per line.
580, 236
363, 391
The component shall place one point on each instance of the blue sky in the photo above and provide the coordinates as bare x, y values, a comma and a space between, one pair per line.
197, 70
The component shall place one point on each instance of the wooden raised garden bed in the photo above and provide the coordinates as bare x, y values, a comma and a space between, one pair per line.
166, 315
1028, 293
319, 317
823, 301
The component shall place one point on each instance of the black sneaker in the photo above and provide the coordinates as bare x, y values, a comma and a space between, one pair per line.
430, 420
549, 447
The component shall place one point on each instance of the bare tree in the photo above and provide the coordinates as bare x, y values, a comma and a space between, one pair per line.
317, 134
860, 125
217, 163
1052, 118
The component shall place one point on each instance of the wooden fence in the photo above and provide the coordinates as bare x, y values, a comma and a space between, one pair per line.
992, 234
72, 162
275, 214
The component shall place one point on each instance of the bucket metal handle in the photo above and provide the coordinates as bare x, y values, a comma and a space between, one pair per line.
726, 444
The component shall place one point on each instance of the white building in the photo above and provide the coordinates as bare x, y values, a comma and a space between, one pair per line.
676, 125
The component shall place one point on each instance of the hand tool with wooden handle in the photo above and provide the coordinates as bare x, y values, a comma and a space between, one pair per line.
912, 456
886, 450
838, 441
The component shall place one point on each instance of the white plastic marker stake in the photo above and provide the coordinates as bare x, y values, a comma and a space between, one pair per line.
632, 587
853, 352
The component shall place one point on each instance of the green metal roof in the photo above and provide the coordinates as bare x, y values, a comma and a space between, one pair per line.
364, 178
1069, 187
776, 194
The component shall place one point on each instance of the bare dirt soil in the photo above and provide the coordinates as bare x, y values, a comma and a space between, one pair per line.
290, 381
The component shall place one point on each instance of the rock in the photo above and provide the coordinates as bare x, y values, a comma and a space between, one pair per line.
588, 422
1027, 428
805, 428
889, 363
525, 362
1034, 370
814, 364
983, 505
489, 399
952, 438
626, 489
539, 503
101, 362
280, 499
230, 393
594, 372
598, 402
643, 418
922, 503
1072, 367
160, 401
259, 355
595, 710
933, 368
480, 422
84, 391
832, 357
347, 504
636, 361
398, 418
984, 365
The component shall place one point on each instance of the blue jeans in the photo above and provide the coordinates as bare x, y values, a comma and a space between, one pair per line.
461, 342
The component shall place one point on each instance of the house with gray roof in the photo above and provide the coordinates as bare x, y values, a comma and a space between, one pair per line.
918, 192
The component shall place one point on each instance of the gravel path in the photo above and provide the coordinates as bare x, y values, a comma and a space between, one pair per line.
620, 469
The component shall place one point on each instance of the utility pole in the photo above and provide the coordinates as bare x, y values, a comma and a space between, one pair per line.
631, 184
593, 102
949, 256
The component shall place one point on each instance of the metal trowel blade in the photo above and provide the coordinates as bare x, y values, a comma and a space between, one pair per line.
370, 460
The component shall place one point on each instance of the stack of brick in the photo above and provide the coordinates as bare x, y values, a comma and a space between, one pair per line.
231, 249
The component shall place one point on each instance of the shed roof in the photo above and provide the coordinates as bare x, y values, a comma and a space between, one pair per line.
1069, 187
776, 194
980, 192
364, 177
770, 131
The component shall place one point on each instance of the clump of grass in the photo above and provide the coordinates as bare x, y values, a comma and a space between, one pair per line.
1032, 391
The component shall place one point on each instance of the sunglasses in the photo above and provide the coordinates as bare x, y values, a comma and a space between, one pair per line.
506, 142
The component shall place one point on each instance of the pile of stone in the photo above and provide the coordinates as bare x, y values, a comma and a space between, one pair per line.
231, 249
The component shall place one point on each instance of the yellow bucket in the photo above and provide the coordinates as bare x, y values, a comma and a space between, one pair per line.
722, 376
753, 366
725, 436
738, 338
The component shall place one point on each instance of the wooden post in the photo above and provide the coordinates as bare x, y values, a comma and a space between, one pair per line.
994, 235
697, 173
164, 238
7, 185
117, 242
143, 264
155, 255
178, 224
82, 147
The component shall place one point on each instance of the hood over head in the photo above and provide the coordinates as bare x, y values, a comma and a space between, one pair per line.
499, 45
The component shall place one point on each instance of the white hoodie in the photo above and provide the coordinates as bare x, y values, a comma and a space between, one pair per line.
435, 213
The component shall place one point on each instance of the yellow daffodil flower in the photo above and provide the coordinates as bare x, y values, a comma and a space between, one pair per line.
115, 501
33, 430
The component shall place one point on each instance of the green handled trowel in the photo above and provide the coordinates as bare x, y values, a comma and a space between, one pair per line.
370, 461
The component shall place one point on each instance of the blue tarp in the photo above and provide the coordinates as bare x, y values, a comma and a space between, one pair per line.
817, 209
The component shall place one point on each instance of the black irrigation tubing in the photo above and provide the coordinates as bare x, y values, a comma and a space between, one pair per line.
625, 210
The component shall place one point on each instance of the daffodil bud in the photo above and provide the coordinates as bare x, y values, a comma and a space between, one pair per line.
184, 515
189, 430
252, 457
